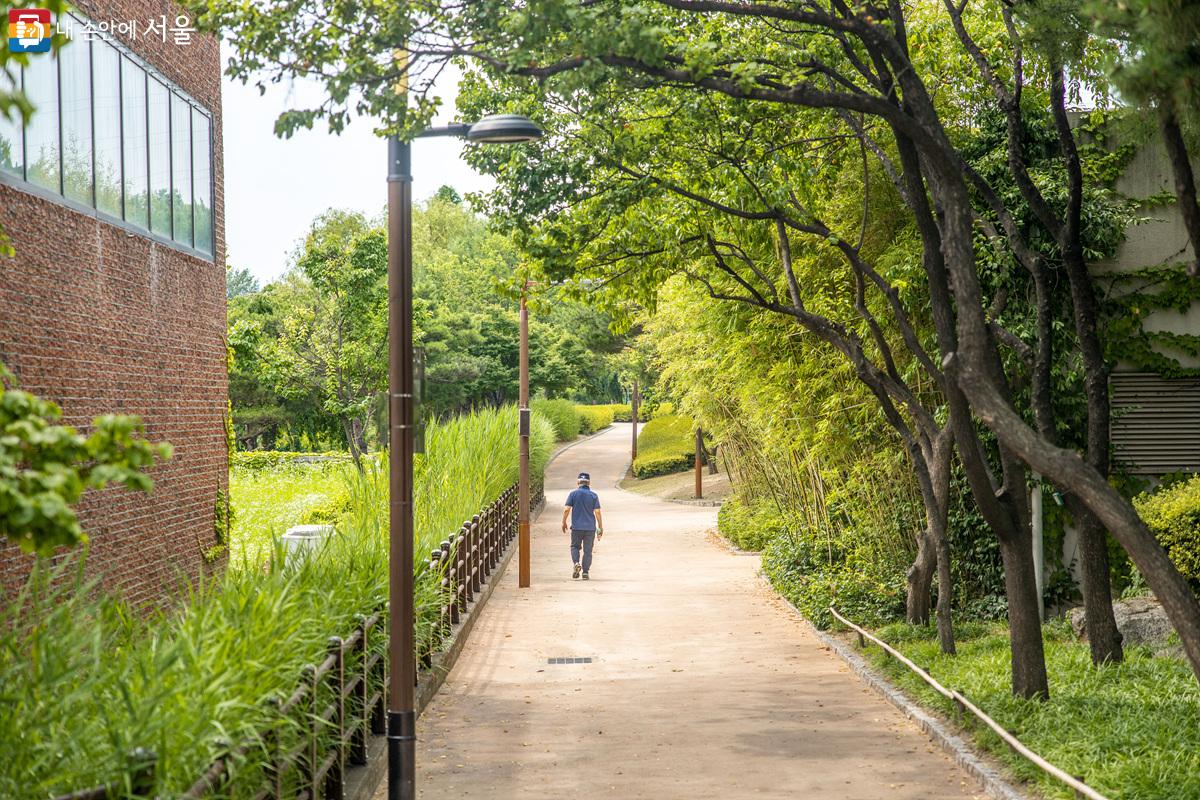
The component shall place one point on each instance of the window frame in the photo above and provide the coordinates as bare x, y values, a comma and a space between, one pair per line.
21, 182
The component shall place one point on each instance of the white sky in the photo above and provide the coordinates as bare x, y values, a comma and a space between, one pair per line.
274, 187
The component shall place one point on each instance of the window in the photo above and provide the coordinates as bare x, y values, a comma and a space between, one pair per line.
109, 133
133, 120
106, 72
181, 169
41, 132
202, 176
12, 145
160, 158
76, 90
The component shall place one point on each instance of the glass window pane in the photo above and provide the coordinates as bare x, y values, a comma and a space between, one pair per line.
76, 77
181, 168
106, 83
12, 153
41, 132
133, 109
160, 158
202, 183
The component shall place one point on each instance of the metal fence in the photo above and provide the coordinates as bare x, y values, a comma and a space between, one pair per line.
964, 706
320, 731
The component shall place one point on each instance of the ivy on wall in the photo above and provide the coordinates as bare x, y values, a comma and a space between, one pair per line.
1132, 297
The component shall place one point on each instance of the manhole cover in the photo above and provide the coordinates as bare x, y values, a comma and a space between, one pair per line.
569, 660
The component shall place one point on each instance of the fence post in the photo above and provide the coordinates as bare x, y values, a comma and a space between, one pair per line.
450, 607
489, 536
335, 779
378, 720
358, 739
464, 565
309, 773
476, 554
144, 764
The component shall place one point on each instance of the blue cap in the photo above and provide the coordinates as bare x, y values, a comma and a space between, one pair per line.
583, 476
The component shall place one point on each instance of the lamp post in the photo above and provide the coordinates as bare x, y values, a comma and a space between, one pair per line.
402, 670
523, 544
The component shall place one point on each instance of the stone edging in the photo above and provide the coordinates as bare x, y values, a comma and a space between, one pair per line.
363, 783
989, 775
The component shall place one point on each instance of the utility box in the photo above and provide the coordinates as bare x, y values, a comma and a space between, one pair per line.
301, 540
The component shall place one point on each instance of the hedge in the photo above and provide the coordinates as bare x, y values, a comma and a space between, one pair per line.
666, 444
594, 418
1173, 515
271, 459
562, 415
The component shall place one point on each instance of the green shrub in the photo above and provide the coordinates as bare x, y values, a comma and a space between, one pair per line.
566, 420
814, 575
1173, 515
271, 459
594, 418
749, 526
665, 445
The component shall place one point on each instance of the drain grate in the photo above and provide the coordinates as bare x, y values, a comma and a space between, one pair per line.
569, 660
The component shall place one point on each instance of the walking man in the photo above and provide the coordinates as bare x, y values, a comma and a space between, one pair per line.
587, 524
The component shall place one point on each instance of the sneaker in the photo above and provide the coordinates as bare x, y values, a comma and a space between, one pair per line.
585, 577
575, 573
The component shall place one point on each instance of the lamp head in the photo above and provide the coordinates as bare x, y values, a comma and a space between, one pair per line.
504, 129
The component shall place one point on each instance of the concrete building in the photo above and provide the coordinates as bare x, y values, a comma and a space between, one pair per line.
114, 301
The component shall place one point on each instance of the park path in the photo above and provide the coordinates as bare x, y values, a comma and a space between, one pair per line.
703, 682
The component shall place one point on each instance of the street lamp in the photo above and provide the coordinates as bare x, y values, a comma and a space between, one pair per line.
402, 715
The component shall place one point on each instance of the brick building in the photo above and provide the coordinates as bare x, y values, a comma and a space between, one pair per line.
115, 299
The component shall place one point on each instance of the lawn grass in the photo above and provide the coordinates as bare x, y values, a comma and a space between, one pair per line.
266, 502
1130, 730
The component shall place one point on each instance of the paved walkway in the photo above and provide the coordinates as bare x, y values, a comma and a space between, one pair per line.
703, 683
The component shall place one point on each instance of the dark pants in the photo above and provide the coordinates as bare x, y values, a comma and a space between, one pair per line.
584, 539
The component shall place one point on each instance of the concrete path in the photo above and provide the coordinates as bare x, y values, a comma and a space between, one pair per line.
703, 684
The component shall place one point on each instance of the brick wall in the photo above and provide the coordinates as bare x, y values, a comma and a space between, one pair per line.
101, 320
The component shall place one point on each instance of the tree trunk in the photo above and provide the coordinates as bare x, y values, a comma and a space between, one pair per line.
1104, 639
920, 580
945, 621
1185, 181
1024, 620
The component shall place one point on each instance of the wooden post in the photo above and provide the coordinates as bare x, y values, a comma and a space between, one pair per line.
335, 778
699, 463
358, 739
634, 402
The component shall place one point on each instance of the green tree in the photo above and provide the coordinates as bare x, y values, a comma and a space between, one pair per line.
333, 343
45, 467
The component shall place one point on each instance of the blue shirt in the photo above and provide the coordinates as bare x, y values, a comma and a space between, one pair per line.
583, 503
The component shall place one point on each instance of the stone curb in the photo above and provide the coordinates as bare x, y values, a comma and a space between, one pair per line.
994, 783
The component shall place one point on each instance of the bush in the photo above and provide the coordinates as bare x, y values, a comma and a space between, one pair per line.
594, 418
749, 526
566, 420
814, 575
1173, 515
667, 444
272, 459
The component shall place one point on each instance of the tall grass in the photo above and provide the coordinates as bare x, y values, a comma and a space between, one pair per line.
83, 681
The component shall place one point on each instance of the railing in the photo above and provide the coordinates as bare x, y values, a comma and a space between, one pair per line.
964, 705
314, 735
